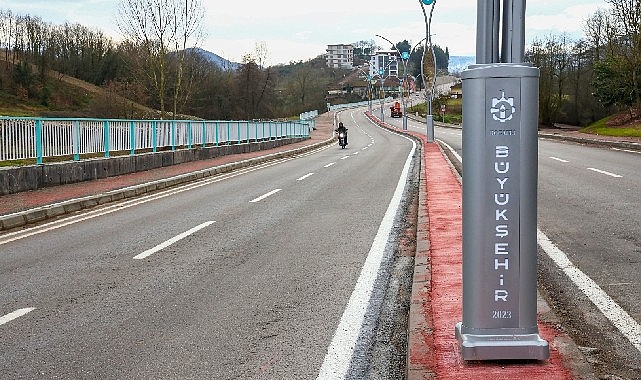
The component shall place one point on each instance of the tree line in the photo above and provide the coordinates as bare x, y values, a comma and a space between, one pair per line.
157, 64
584, 80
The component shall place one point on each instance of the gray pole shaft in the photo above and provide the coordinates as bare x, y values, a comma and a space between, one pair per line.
513, 31
500, 119
487, 31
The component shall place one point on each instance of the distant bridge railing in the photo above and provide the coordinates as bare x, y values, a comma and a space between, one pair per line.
337, 107
38, 138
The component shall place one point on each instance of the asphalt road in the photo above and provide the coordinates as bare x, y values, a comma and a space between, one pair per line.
589, 210
244, 275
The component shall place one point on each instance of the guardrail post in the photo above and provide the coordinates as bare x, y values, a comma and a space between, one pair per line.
76, 140
132, 137
105, 128
188, 134
38, 138
204, 133
173, 135
154, 136
217, 138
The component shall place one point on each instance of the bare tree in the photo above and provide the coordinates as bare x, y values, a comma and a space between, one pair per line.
156, 27
188, 17
255, 82
626, 17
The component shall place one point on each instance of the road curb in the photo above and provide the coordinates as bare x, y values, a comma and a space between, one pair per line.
586, 140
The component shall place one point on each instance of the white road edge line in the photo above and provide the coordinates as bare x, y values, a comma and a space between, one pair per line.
606, 173
305, 176
458, 156
559, 159
15, 314
173, 240
341, 350
265, 196
619, 317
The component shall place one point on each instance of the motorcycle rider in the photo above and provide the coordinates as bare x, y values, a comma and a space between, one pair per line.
341, 128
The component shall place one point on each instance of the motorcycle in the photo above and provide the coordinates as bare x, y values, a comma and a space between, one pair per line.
342, 140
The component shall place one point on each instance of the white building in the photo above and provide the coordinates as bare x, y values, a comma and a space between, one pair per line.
340, 56
385, 62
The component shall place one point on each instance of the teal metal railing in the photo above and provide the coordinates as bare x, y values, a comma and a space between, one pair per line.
39, 138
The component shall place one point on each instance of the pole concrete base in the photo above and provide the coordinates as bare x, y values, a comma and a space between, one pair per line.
502, 347
429, 123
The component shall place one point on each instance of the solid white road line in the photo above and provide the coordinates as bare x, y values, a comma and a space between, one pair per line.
265, 196
458, 156
606, 173
15, 314
171, 241
341, 350
619, 317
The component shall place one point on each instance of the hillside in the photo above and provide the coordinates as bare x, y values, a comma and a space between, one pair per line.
62, 96
214, 58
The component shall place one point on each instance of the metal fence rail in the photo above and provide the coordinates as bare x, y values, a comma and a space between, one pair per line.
38, 138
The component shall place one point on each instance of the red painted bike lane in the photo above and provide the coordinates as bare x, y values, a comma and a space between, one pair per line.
436, 307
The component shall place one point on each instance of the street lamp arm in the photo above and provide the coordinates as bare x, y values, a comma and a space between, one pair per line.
391, 43
428, 38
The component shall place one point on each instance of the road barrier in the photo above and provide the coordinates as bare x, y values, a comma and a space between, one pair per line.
39, 138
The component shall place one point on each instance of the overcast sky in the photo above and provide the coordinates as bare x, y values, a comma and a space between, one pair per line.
295, 31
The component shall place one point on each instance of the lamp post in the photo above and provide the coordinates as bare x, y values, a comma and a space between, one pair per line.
382, 76
404, 57
369, 86
381, 71
429, 118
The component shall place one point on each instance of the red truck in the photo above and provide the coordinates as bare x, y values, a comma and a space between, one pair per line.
395, 110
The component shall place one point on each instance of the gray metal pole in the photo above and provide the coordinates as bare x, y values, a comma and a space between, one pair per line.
513, 41
487, 31
500, 121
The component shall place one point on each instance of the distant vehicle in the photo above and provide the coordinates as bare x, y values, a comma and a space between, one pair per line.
395, 110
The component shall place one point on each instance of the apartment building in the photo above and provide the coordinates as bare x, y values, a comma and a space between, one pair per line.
340, 56
385, 62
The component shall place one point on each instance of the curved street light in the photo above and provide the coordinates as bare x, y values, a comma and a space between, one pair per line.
429, 119
404, 57
369, 86
381, 72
